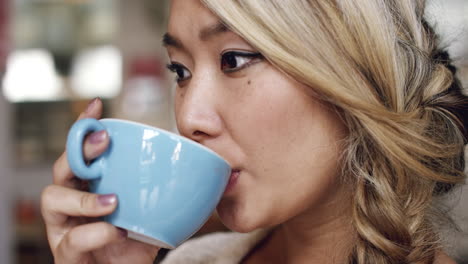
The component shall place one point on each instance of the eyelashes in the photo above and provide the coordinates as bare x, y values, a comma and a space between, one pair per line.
182, 73
230, 62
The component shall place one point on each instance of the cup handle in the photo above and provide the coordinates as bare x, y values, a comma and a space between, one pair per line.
75, 157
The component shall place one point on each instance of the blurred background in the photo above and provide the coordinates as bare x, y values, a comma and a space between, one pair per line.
56, 55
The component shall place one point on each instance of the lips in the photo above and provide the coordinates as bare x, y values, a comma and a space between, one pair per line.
232, 180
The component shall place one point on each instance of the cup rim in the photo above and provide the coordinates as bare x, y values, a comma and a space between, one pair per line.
167, 132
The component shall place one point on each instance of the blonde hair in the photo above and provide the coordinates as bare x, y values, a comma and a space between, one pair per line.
377, 61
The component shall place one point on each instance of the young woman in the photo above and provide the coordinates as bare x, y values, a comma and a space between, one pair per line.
342, 120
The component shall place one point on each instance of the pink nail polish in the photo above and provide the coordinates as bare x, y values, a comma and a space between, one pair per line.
97, 137
91, 105
107, 199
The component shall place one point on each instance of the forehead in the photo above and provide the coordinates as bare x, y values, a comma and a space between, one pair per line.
190, 14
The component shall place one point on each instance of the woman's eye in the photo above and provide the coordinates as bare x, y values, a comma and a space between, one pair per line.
181, 72
232, 61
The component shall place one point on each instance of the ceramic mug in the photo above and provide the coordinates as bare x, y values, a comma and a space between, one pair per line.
167, 185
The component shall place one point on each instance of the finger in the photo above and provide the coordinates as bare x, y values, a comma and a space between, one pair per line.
95, 144
62, 174
93, 110
86, 238
58, 203
61, 169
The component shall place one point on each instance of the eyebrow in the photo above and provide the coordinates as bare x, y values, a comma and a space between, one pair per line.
212, 31
205, 34
169, 40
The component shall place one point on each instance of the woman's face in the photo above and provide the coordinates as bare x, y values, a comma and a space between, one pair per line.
282, 144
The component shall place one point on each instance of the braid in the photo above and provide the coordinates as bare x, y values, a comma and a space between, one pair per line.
393, 221
387, 214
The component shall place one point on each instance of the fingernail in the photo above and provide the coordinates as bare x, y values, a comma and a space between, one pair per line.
91, 105
122, 232
97, 137
107, 199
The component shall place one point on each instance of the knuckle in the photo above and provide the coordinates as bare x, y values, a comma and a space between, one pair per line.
87, 202
72, 241
47, 197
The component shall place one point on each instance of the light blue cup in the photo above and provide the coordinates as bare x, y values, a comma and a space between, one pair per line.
167, 185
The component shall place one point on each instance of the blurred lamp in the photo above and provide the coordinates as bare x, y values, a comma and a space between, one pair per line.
31, 76
97, 72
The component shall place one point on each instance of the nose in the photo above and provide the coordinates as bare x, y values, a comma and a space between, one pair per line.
197, 110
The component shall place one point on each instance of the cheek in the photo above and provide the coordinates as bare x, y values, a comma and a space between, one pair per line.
276, 116
291, 144
178, 97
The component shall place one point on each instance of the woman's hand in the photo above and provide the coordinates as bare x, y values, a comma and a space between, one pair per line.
69, 213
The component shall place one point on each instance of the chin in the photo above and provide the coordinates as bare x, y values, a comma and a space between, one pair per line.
236, 218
